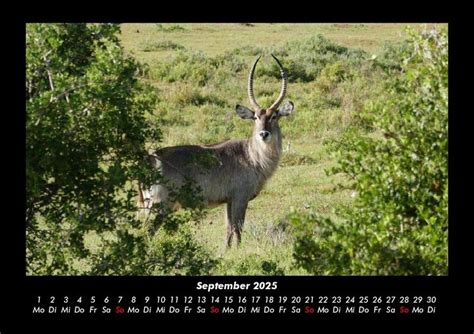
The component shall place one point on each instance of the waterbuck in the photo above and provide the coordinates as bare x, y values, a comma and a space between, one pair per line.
232, 172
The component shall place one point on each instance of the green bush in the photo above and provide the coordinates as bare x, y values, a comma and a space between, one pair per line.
252, 264
389, 58
149, 46
169, 27
305, 59
178, 253
399, 172
86, 128
187, 66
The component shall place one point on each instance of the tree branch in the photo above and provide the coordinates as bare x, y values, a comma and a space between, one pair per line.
47, 62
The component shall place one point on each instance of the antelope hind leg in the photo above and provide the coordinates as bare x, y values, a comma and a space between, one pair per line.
230, 231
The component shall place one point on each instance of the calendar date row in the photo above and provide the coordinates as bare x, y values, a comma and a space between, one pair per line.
231, 299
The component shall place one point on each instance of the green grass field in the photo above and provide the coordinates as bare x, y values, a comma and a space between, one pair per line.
196, 105
215, 39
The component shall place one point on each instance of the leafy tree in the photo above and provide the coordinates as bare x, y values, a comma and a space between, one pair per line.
86, 131
398, 170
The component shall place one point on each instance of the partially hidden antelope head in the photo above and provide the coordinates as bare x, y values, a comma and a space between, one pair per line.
238, 169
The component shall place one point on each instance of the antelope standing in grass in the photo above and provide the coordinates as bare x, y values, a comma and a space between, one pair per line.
239, 168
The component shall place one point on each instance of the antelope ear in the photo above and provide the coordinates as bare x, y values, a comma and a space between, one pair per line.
244, 112
287, 109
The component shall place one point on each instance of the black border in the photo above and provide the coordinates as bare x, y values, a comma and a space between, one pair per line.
17, 295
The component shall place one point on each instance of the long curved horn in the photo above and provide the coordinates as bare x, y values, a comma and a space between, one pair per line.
252, 99
284, 83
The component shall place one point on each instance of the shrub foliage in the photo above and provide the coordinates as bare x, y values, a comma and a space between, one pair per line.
398, 169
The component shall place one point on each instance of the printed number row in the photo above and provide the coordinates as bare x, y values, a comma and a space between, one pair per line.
245, 299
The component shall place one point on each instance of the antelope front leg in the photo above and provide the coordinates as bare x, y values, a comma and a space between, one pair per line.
238, 217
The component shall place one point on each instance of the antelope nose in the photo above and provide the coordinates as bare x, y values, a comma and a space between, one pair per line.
264, 134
